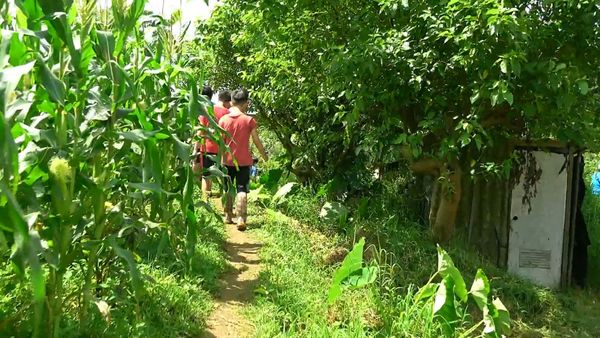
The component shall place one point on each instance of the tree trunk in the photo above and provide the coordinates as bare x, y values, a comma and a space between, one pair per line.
464, 213
475, 217
436, 196
447, 212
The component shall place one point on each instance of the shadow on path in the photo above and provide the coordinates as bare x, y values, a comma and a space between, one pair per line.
236, 286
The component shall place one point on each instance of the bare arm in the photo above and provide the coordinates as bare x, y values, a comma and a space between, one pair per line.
259, 145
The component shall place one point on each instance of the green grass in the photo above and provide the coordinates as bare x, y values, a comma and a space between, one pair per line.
175, 304
292, 297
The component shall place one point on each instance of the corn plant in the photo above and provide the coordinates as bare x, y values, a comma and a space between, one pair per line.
95, 138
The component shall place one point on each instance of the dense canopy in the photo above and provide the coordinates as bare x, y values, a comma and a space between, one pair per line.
448, 85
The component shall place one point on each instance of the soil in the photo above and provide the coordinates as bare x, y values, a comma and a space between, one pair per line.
237, 286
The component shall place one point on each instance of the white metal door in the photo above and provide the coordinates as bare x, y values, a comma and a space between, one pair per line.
536, 236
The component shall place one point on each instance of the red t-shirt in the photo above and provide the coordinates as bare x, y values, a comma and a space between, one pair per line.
239, 126
209, 145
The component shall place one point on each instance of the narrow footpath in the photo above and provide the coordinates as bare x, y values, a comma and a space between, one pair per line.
236, 286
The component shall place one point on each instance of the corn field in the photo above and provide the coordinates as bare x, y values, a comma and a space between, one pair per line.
98, 113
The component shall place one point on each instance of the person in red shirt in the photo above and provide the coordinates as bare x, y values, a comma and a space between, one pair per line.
240, 128
207, 149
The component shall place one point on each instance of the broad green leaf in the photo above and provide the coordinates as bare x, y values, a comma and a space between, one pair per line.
501, 317
283, 192
426, 292
153, 187
34, 175
55, 87
9, 160
352, 263
508, 97
33, 11
9, 79
18, 50
446, 268
334, 212
271, 178
182, 149
52, 6
480, 289
105, 45
489, 327
214, 171
27, 242
444, 309
504, 66
365, 276
137, 135
188, 189
59, 22
134, 273
583, 87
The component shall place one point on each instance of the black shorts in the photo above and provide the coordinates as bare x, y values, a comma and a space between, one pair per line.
206, 161
239, 176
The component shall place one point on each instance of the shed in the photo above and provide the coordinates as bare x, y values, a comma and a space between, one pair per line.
545, 214
529, 223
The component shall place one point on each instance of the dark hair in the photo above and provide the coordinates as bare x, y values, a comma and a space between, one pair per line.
224, 96
207, 91
240, 96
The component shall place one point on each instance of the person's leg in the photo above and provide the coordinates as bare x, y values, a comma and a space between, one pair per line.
207, 162
242, 185
229, 191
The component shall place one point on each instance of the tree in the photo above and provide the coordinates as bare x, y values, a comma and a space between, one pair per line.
449, 85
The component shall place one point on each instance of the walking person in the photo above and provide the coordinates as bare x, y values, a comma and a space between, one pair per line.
207, 149
596, 181
240, 128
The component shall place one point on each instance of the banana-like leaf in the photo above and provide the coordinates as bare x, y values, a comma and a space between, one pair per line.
281, 194
480, 289
444, 309
351, 264
446, 268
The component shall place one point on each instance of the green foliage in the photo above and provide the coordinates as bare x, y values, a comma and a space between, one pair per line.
451, 298
347, 89
293, 302
351, 274
335, 214
283, 192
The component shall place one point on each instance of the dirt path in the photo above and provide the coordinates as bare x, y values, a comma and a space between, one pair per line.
237, 286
